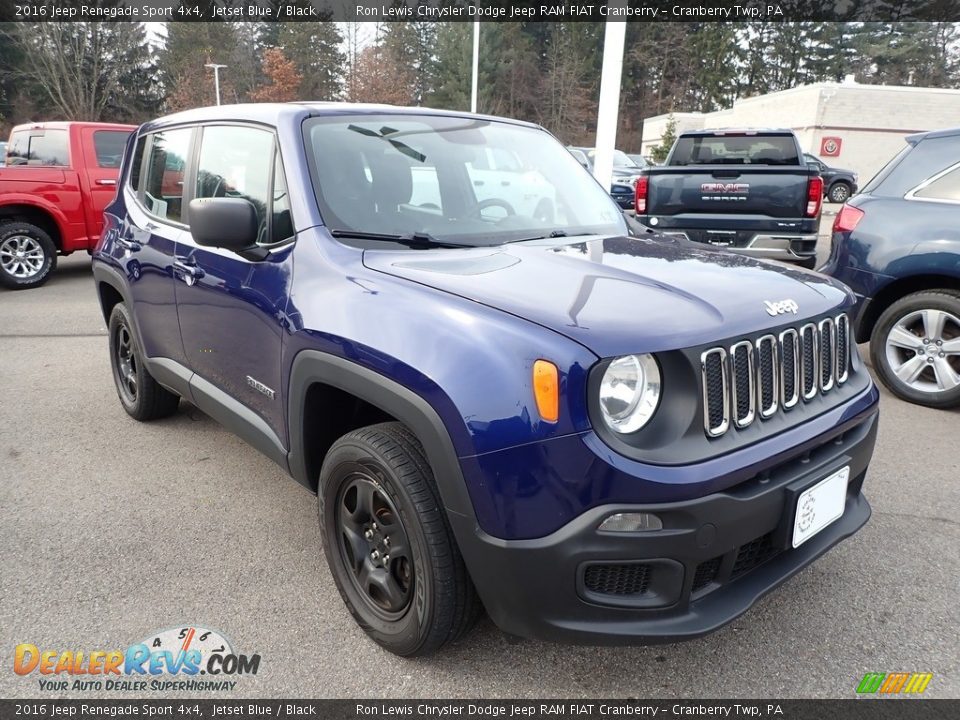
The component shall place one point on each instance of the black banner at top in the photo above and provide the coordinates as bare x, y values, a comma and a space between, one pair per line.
482, 10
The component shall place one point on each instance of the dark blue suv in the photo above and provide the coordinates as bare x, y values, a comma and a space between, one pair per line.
897, 245
440, 323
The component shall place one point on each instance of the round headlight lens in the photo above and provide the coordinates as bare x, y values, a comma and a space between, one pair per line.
630, 392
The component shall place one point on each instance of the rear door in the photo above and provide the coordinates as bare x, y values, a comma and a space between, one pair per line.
147, 237
102, 153
232, 308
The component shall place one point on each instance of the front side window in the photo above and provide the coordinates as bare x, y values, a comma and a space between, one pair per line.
166, 170
39, 148
108, 146
236, 162
463, 180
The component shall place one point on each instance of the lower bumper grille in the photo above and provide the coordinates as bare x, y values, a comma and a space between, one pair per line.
633, 579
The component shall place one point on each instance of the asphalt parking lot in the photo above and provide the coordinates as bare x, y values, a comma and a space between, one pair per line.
112, 530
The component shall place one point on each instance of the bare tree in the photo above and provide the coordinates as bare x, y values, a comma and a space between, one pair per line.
81, 68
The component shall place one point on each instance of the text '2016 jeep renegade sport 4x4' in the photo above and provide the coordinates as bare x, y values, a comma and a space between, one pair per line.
599, 437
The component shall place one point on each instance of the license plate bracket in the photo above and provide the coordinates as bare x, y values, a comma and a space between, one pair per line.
784, 535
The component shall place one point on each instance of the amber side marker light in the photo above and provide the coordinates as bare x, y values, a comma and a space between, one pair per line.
546, 390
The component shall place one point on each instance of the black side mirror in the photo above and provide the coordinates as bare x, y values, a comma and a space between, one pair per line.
229, 223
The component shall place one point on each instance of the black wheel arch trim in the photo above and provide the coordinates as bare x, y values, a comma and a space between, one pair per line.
313, 366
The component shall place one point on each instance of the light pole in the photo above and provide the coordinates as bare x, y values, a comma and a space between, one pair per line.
216, 77
476, 66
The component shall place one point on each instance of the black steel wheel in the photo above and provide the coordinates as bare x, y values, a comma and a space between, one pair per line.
141, 396
388, 543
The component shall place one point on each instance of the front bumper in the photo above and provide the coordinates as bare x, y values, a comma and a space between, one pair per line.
713, 559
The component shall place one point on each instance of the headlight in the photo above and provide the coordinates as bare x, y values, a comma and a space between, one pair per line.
630, 392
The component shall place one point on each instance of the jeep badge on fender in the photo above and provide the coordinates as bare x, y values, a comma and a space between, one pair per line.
372, 315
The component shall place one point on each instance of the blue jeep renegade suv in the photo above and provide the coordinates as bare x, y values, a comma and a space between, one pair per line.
441, 324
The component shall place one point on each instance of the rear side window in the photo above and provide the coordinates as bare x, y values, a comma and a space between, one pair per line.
946, 187
735, 150
914, 165
166, 170
237, 162
108, 146
39, 148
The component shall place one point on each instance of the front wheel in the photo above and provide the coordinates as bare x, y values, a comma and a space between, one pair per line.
839, 192
27, 256
388, 543
915, 348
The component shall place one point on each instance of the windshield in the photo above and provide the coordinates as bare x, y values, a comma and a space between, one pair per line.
453, 179
620, 159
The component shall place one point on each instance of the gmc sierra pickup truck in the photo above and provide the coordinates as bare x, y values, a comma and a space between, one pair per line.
749, 191
57, 180
599, 437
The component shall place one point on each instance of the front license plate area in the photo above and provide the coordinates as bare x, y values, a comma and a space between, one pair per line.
820, 505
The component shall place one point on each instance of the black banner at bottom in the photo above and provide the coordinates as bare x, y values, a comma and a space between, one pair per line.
865, 709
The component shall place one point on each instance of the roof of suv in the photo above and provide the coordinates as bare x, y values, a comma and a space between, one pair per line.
272, 113
946, 132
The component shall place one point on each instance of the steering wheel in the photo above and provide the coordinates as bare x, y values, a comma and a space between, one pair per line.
493, 202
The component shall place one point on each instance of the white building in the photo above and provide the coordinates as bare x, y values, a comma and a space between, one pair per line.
863, 126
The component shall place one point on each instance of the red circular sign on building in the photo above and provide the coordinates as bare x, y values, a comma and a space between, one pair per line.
830, 146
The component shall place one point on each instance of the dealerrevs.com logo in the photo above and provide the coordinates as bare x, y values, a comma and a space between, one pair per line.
185, 658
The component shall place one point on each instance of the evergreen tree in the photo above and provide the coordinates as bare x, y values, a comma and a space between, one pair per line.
314, 48
453, 68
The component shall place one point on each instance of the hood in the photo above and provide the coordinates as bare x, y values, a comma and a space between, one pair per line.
619, 295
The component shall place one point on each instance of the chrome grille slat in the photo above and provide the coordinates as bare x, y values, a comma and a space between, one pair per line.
789, 368
742, 385
753, 379
767, 376
843, 348
809, 362
716, 402
828, 354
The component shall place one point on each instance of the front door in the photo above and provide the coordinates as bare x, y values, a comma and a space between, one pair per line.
232, 308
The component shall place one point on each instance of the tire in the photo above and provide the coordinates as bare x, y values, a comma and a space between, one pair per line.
141, 396
27, 256
377, 496
808, 263
839, 192
925, 373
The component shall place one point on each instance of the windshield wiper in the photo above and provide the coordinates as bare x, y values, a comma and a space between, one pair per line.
553, 234
417, 240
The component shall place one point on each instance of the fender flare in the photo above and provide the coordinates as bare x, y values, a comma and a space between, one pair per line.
313, 366
59, 219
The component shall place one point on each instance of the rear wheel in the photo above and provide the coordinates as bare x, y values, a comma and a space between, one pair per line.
915, 348
388, 543
141, 396
27, 256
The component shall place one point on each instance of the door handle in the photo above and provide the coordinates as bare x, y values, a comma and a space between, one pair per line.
128, 243
188, 266
106, 181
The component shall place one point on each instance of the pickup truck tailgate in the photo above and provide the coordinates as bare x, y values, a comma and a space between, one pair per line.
779, 192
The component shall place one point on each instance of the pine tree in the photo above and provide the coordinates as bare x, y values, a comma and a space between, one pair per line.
453, 68
314, 48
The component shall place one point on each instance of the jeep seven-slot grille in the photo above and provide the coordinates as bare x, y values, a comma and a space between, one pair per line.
754, 379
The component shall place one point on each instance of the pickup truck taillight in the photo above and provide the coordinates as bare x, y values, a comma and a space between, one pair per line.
847, 219
814, 196
640, 194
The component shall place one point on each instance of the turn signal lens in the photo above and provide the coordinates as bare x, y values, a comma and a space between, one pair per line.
546, 390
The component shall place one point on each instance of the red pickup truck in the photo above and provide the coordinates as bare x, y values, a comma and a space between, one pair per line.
57, 179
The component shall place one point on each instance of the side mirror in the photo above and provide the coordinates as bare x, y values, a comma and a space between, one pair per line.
229, 223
